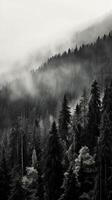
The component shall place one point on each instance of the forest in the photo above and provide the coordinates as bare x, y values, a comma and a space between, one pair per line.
57, 144
73, 160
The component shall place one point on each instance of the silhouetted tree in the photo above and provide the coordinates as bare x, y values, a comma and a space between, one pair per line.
4, 177
77, 128
105, 160
38, 152
94, 116
84, 108
54, 168
64, 121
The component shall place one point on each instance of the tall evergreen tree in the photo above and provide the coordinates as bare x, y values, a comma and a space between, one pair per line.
13, 154
107, 100
94, 116
84, 108
77, 128
64, 121
17, 154
54, 168
105, 158
77, 115
38, 152
4, 177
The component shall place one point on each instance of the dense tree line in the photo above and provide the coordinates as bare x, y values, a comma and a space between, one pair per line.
70, 158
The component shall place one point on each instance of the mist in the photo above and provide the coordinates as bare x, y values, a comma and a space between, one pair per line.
32, 31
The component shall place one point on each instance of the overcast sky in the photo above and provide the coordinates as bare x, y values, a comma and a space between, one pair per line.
28, 25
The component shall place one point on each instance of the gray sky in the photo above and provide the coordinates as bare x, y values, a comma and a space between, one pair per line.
26, 26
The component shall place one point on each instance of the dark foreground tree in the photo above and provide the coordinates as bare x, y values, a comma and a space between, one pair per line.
93, 117
4, 177
64, 121
54, 168
77, 128
38, 165
103, 189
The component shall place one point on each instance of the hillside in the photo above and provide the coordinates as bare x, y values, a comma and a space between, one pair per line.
68, 73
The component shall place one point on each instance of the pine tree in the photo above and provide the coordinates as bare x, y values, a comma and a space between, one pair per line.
84, 108
94, 116
54, 168
17, 154
4, 177
77, 128
105, 160
38, 155
64, 121
13, 154
107, 100
77, 115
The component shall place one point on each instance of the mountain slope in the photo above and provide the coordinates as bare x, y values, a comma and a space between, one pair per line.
68, 73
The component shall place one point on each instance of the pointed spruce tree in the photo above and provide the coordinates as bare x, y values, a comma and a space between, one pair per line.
4, 177
54, 167
38, 161
77, 128
84, 108
105, 158
107, 100
64, 121
104, 148
94, 116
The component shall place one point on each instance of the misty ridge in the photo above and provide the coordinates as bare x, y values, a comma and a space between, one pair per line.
40, 90
63, 63
65, 71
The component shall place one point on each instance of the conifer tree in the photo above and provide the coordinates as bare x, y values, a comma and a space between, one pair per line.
64, 121
13, 154
54, 168
4, 177
77, 115
84, 108
17, 154
94, 116
38, 155
105, 160
77, 128
107, 100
